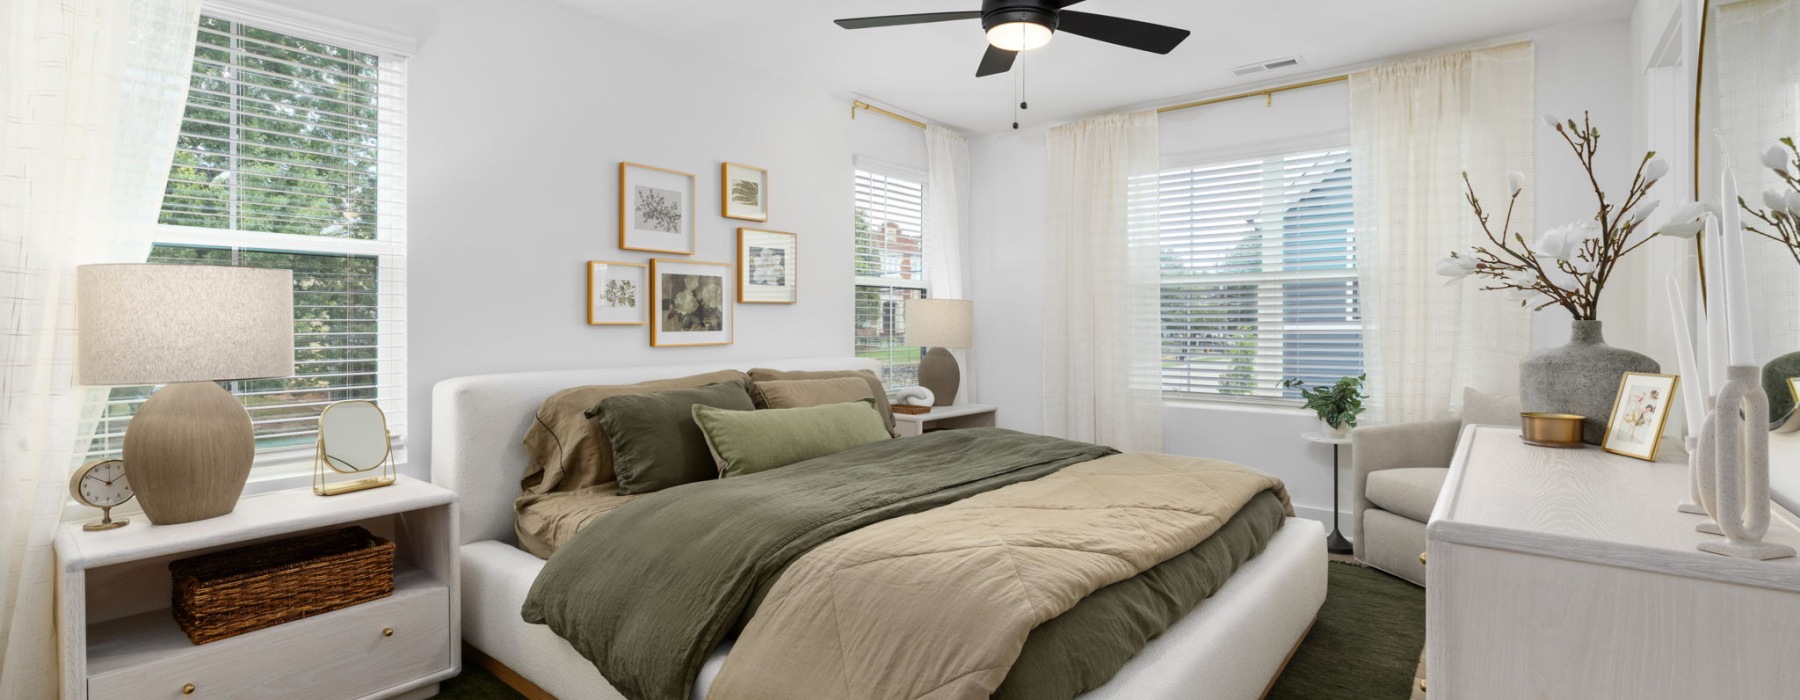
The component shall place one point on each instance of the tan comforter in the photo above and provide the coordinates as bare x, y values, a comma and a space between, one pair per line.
937, 605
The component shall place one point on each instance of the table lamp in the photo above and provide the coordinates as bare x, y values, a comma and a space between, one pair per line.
189, 448
939, 324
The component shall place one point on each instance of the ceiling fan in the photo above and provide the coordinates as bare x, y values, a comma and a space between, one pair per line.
1022, 25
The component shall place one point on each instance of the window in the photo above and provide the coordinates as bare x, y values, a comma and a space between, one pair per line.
890, 268
291, 155
1258, 276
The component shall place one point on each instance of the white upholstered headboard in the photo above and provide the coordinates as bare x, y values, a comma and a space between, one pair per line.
478, 429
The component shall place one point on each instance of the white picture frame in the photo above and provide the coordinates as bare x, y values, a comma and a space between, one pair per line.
656, 209
618, 293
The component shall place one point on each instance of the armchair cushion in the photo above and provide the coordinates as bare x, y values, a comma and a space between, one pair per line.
1410, 493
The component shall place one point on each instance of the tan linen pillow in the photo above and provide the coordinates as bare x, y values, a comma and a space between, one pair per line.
1485, 409
569, 451
760, 375
804, 393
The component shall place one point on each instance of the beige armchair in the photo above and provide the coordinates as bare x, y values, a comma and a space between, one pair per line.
1398, 471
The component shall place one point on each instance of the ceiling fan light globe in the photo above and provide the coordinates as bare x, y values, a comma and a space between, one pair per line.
1018, 36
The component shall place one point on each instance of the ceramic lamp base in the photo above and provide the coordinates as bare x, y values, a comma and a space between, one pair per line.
940, 373
188, 452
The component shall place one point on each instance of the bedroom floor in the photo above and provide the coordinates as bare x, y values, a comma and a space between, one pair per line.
1367, 644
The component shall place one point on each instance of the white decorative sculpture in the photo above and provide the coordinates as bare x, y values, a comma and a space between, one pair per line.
1738, 433
915, 396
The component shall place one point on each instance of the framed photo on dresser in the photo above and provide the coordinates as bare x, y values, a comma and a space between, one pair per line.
656, 209
1639, 413
691, 303
768, 267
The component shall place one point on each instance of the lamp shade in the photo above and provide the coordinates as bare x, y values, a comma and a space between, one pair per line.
162, 324
939, 323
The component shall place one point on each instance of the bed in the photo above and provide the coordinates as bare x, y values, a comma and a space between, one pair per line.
1230, 646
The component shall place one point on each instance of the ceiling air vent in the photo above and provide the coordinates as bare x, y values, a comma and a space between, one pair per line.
1276, 64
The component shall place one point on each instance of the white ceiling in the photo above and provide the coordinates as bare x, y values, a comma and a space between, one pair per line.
930, 69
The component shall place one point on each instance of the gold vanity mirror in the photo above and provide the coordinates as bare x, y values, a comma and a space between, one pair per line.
353, 440
1745, 104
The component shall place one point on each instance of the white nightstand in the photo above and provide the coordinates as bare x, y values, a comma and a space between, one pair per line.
956, 417
120, 641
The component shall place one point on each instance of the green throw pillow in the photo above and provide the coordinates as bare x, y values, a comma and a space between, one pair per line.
655, 442
750, 442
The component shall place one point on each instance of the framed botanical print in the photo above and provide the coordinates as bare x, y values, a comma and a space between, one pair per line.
690, 303
1635, 428
617, 293
656, 209
768, 267
744, 192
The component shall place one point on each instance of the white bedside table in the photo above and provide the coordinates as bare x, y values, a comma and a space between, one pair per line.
120, 641
955, 417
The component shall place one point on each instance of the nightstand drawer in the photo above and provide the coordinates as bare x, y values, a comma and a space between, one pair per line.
346, 653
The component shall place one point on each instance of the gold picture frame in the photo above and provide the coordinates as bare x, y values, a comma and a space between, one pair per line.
768, 266
1644, 401
691, 313
649, 221
601, 296
743, 192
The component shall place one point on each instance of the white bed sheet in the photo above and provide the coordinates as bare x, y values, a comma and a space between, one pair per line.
1228, 648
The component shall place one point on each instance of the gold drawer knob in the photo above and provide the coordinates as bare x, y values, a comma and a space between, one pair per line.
1421, 558
187, 689
387, 631
1422, 686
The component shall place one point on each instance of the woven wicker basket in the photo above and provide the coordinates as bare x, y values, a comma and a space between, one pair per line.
910, 410
228, 593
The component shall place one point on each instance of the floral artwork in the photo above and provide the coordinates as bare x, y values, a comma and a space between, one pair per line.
1638, 416
767, 266
692, 303
614, 294
656, 209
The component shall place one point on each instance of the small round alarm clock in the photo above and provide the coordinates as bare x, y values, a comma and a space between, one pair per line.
102, 484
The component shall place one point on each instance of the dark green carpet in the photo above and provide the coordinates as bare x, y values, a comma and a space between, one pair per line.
1365, 646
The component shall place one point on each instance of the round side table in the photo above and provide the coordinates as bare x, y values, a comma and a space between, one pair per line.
1334, 542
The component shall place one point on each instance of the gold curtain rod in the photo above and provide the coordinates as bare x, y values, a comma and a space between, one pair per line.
1268, 93
859, 104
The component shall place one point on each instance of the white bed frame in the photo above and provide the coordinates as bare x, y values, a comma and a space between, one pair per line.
1231, 647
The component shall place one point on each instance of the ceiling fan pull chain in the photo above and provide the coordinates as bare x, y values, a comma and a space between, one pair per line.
1018, 78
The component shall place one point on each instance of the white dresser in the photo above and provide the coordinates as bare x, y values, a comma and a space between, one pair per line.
1569, 574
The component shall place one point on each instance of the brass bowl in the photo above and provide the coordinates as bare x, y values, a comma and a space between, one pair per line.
1559, 430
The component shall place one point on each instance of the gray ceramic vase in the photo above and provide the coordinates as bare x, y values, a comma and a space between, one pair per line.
1581, 378
1775, 382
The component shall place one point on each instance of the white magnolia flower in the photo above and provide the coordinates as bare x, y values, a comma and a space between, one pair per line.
1561, 278
1686, 230
1564, 241
1792, 199
1455, 267
1692, 211
1643, 211
1656, 170
1515, 181
1774, 201
1776, 159
1554, 123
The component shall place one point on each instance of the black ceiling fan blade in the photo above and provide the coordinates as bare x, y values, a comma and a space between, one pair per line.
1129, 33
1064, 3
898, 20
996, 60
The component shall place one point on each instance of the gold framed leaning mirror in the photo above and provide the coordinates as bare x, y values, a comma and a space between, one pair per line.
1746, 101
354, 441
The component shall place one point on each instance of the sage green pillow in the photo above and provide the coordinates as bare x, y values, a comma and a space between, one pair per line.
656, 444
755, 441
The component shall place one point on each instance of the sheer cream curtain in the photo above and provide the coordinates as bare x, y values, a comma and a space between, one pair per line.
1415, 127
93, 93
947, 225
1102, 361
1758, 49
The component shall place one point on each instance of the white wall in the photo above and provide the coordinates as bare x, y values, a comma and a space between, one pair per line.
1584, 66
520, 114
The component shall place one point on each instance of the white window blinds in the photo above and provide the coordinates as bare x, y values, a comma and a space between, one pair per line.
292, 155
1258, 275
890, 268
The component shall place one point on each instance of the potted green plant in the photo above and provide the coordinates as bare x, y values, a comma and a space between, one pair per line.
1337, 404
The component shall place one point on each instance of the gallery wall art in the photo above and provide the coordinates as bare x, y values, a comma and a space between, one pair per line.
744, 192
618, 293
768, 267
656, 209
691, 303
